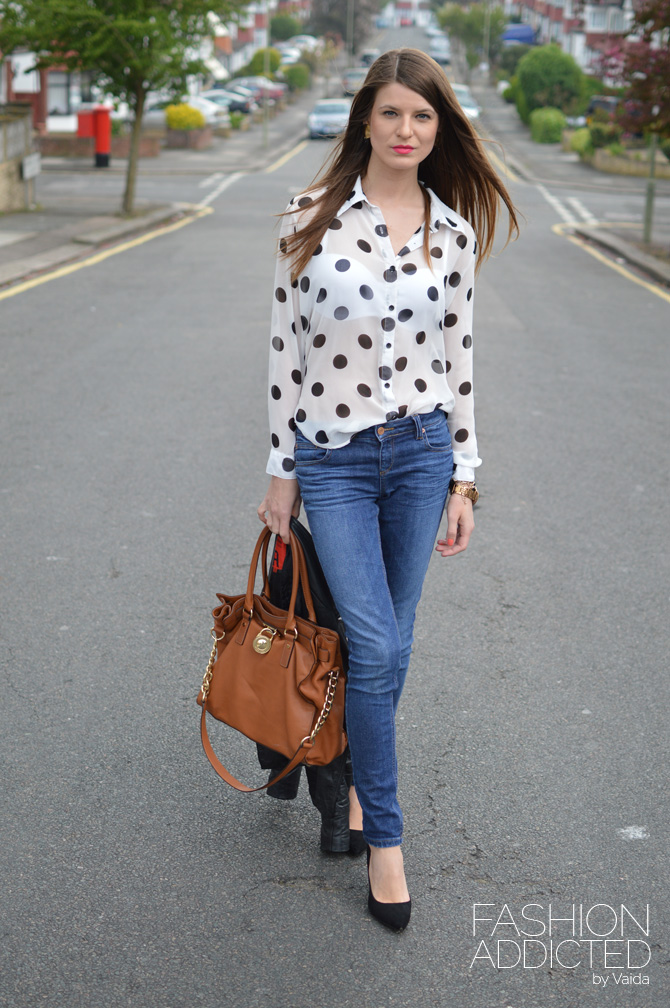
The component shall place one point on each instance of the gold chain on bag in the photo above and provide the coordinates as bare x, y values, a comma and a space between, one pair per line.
207, 678
327, 704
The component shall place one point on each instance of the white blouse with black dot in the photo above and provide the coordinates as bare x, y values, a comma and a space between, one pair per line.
365, 336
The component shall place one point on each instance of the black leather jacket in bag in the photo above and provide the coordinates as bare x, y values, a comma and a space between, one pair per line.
328, 785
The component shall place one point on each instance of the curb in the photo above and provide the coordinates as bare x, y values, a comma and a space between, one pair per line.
650, 265
80, 246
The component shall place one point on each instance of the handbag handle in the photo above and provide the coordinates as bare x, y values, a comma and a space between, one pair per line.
300, 576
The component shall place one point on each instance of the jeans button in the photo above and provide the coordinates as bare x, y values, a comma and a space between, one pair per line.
380, 431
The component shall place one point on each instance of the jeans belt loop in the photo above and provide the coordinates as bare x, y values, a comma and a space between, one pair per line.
417, 424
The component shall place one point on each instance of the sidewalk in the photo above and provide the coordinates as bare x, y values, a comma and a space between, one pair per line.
64, 228
549, 164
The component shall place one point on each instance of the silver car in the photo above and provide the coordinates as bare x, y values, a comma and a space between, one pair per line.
328, 118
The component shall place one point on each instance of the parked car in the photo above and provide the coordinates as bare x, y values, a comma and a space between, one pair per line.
466, 101
353, 79
439, 49
609, 104
308, 42
328, 118
215, 115
235, 101
290, 55
261, 86
368, 56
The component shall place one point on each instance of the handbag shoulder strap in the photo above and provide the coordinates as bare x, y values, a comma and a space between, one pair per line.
226, 775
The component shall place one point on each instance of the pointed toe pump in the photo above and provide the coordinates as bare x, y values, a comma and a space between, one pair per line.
392, 915
356, 843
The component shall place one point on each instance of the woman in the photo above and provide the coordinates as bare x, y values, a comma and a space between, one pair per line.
371, 404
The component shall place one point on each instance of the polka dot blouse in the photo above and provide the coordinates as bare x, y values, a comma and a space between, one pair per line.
364, 336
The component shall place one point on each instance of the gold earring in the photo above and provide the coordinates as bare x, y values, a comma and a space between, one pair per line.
366, 132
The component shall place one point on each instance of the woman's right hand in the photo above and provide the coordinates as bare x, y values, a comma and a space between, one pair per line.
280, 502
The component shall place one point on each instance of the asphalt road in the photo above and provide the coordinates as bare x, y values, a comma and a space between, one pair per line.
533, 733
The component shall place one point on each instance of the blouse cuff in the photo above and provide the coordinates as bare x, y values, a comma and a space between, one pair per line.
280, 465
464, 473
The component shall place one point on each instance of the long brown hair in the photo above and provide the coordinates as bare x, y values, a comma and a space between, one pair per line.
457, 169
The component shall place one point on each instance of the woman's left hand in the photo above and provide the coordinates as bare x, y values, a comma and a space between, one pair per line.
460, 524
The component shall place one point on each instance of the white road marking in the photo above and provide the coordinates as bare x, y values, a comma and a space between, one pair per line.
582, 211
210, 180
556, 204
634, 833
222, 186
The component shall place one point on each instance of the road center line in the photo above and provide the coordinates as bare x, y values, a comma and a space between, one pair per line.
222, 186
210, 180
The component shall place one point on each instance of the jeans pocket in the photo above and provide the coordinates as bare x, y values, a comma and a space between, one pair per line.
437, 437
307, 453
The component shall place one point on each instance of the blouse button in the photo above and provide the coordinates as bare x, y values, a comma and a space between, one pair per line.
388, 346
391, 307
387, 385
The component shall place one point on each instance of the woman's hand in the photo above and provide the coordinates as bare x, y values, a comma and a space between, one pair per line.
280, 502
460, 524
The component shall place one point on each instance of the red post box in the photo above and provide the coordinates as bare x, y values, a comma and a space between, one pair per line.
85, 122
102, 131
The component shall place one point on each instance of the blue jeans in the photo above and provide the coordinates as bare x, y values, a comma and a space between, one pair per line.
374, 508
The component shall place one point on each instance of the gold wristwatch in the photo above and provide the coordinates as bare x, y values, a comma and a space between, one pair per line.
465, 489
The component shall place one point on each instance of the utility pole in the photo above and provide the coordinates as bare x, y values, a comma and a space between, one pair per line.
651, 184
266, 73
350, 31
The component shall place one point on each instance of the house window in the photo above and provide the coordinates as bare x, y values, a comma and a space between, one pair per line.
597, 19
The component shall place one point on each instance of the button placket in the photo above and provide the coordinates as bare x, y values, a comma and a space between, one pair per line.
389, 322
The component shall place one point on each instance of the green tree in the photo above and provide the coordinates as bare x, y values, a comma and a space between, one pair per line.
131, 47
329, 17
283, 27
548, 77
474, 29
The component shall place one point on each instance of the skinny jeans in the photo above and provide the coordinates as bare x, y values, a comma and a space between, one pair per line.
374, 508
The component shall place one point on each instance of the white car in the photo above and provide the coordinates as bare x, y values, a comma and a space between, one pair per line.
466, 101
307, 42
215, 115
328, 118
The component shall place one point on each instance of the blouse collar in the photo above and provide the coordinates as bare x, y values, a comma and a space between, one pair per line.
440, 213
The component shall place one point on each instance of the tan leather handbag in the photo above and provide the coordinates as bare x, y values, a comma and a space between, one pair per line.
273, 676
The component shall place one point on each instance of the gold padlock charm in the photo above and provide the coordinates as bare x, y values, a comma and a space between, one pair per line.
263, 640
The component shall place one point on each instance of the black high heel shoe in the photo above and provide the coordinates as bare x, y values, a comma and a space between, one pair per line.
356, 843
392, 915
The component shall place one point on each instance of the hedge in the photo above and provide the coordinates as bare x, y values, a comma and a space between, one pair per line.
547, 125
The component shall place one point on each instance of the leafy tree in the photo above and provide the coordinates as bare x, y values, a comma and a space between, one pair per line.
256, 65
548, 77
329, 17
131, 47
469, 27
642, 65
510, 58
283, 27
